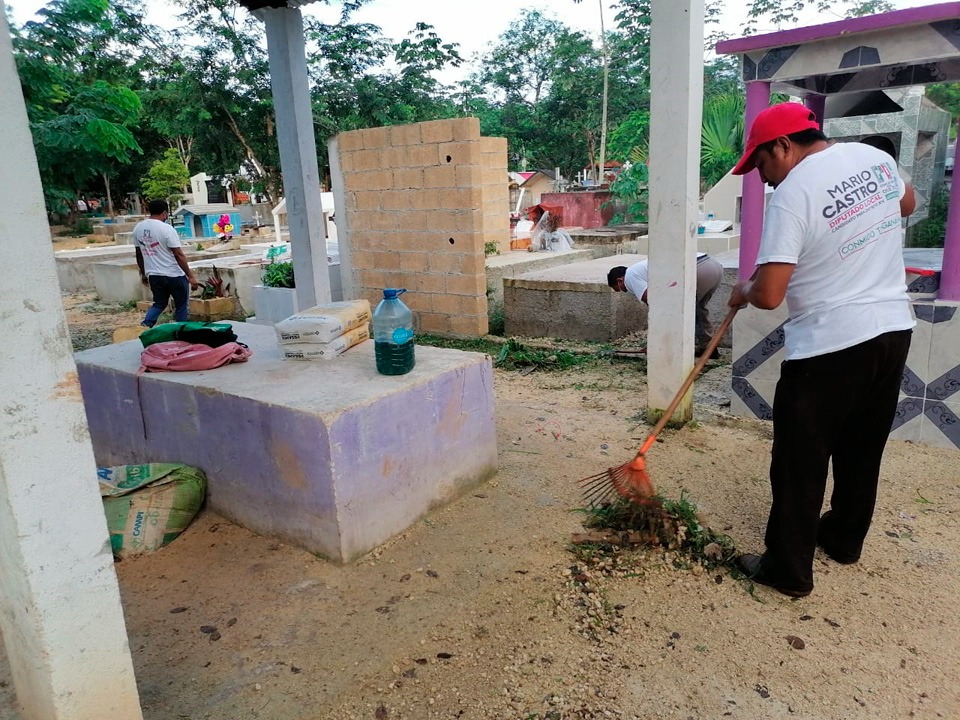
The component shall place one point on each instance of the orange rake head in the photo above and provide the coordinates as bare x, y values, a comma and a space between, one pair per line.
629, 481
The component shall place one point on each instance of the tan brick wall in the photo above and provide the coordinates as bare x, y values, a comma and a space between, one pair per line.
422, 200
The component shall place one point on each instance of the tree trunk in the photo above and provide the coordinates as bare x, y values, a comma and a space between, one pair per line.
255, 163
106, 184
603, 114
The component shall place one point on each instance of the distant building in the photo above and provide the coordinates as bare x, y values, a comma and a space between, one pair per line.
197, 221
527, 187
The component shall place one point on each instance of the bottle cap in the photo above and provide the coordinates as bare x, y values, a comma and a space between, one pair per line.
391, 293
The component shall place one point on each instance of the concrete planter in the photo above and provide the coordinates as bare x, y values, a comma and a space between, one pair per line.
218, 308
273, 304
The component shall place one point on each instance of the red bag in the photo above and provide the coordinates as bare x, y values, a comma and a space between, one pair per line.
184, 356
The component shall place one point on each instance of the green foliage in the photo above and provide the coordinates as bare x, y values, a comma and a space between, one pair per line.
278, 275
721, 137
785, 13
83, 226
930, 232
631, 189
674, 523
491, 248
631, 134
514, 354
166, 178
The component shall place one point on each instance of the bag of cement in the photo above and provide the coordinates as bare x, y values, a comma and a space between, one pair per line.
326, 351
323, 323
148, 506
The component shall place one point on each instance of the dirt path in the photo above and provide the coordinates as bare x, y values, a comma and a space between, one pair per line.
480, 610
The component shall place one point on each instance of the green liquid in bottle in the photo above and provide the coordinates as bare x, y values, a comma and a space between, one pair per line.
393, 359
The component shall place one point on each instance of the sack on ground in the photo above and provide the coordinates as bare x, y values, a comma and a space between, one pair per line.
148, 506
326, 351
209, 333
323, 323
177, 355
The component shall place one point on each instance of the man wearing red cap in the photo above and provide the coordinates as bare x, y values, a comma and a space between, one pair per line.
832, 246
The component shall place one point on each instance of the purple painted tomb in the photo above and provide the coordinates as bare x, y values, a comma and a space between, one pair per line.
327, 455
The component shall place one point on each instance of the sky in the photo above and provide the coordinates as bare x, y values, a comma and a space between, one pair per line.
474, 25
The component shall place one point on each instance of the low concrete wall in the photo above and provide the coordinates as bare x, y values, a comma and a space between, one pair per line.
572, 302
327, 455
75, 267
119, 280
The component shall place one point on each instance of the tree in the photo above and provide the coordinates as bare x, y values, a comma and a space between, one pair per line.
721, 137
75, 67
166, 178
787, 12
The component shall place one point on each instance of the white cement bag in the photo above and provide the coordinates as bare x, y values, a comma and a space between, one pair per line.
323, 323
326, 351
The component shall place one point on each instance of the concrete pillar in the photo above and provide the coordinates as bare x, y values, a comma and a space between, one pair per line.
676, 112
344, 244
752, 197
60, 611
950, 273
818, 104
298, 152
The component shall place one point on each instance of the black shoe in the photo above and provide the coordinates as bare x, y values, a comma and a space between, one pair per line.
715, 355
823, 541
752, 567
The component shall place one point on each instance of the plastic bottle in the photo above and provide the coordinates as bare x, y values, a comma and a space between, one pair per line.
393, 334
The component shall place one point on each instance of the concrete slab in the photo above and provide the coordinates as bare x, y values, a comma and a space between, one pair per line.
75, 267
330, 456
572, 302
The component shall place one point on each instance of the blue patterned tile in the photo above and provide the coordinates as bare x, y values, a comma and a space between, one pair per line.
907, 409
943, 426
912, 385
759, 353
752, 399
944, 386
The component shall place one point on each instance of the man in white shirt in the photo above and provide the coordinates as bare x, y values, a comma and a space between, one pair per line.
832, 246
636, 279
163, 266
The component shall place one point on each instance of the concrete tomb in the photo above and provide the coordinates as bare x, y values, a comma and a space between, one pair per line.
327, 455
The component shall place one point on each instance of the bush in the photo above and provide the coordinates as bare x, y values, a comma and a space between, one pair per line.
929, 232
278, 275
630, 189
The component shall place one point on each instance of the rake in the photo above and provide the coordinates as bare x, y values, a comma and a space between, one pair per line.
631, 480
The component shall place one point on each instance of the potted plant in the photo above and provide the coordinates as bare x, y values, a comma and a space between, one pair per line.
276, 298
215, 301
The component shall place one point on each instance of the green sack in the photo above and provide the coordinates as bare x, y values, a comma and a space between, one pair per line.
148, 506
172, 331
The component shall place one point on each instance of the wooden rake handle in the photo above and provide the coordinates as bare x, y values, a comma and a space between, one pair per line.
704, 358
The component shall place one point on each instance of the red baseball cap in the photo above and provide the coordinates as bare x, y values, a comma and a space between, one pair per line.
774, 122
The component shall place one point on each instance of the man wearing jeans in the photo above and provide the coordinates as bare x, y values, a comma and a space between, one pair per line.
163, 266
832, 246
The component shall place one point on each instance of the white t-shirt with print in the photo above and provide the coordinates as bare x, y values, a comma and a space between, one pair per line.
637, 277
156, 240
836, 216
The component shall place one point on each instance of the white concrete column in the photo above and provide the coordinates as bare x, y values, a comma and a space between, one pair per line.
344, 244
60, 611
298, 152
676, 109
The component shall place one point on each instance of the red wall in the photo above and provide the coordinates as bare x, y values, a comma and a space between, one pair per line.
581, 208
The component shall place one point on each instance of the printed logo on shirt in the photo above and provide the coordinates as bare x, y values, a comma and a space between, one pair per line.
868, 238
858, 193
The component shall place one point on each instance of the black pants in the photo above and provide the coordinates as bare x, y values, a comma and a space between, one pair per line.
840, 406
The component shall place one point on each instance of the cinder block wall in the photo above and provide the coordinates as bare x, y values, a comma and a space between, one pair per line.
420, 203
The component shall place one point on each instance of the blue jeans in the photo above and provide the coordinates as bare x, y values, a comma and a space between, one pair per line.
163, 289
